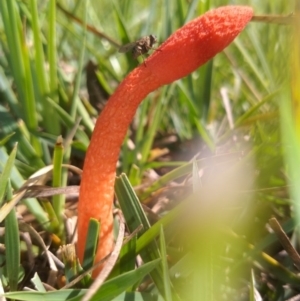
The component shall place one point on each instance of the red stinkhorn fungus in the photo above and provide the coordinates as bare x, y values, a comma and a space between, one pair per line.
183, 52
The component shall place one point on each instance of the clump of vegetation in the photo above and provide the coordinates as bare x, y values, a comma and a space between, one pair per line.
207, 174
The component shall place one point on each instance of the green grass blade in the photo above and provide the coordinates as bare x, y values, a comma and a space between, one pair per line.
19, 62
151, 19
52, 55
40, 63
68, 121
168, 23
147, 237
135, 216
58, 201
191, 10
127, 263
116, 286
149, 136
109, 290
205, 74
123, 32
91, 244
249, 59
75, 98
66, 295
5, 172
60, 295
8, 95
71, 262
165, 268
256, 41
255, 108
12, 244
131, 208
14, 44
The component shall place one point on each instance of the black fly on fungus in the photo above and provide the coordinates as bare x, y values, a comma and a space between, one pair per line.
139, 47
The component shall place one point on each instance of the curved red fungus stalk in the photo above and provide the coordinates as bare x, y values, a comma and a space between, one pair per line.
183, 52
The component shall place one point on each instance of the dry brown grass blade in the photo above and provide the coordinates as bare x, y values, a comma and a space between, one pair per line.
285, 241
275, 19
89, 27
33, 233
38, 191
7, 207
34, 186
